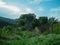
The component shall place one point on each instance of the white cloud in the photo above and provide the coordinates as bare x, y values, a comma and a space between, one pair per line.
38, 1
55, 15
14, 10
27, 10
35, 1
2, 3
40, 9
55, 12
55, 9
0, 0
9, 7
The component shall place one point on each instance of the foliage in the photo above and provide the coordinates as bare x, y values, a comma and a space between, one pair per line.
28, 31
56, 28
50, 39
43, 20
8, 32
6, 21
26, 18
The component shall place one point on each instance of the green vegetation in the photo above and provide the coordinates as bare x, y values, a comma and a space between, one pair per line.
28, 30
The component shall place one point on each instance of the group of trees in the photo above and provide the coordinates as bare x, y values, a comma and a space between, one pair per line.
26, 22
29, 21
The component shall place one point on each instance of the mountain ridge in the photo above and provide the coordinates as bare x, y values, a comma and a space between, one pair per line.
6, 21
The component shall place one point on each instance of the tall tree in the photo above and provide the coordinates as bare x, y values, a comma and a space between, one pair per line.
51, 22
26, 20
43, 20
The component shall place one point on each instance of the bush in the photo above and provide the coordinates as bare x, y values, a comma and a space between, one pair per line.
55, 28
50, 39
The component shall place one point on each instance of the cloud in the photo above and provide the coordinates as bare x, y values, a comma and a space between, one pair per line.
2, 3
9, 7
55, 9
27, 10
40, 9
56, 16
55, 12
39, 1
14, 10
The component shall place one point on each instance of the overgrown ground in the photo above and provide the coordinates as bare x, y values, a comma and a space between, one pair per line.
50, 39
32, 38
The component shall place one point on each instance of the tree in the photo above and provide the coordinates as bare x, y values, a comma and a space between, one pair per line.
35, 23
26, 20
51, 22
43, 20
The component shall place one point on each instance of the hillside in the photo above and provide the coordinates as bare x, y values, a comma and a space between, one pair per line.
6, 21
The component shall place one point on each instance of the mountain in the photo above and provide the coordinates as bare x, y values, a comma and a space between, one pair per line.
6, 21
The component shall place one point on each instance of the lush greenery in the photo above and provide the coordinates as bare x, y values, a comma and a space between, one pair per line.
28, 30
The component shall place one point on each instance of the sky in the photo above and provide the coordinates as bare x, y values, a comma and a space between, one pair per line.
15, 8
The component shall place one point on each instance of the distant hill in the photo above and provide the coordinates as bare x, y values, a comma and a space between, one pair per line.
6, 21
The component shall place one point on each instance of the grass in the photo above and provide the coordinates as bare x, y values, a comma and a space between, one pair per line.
50, 39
